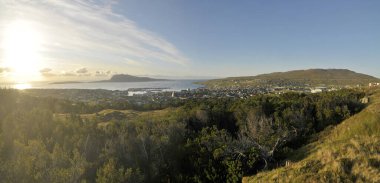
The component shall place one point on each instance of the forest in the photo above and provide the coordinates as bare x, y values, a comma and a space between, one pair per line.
198, 140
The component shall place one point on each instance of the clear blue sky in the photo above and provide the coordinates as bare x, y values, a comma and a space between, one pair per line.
249, 37
82, 39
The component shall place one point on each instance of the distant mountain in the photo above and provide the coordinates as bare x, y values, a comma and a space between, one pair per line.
130, 78
65, 82
312, 77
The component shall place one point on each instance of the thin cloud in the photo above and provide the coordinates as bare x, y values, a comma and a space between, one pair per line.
48, 72
45, 70
103, 73
82, 71
67, 73
90, 32
132, 62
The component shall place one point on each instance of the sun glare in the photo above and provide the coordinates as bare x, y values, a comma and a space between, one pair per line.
21, 44
22, 86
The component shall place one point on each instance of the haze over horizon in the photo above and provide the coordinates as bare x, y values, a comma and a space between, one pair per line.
89, 40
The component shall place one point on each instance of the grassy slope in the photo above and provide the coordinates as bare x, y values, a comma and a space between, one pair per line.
130, 115
349, 152
311, 76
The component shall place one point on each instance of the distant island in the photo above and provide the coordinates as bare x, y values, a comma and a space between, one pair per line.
65, 82
310, 77
116, 78
129, 78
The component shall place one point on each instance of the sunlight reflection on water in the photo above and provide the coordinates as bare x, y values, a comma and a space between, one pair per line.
171, 85
22, 86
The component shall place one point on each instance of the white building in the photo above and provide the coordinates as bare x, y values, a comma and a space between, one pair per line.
373, 84
318, 89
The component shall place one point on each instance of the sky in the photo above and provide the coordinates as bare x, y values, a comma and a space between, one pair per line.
93, 39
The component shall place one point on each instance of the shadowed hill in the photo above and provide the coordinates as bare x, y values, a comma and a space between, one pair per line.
130, 78
338, 77
118, 78
349, 152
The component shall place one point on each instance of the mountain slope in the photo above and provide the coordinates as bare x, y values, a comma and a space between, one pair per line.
350, 152
297, 77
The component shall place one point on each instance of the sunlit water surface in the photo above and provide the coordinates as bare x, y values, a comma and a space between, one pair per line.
172, 85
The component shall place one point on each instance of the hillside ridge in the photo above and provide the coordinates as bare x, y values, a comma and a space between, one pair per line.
348, 152
309, 77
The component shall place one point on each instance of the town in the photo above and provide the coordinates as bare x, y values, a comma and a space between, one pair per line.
144, 96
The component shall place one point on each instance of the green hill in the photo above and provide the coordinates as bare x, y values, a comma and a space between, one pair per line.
350, 152
312, 77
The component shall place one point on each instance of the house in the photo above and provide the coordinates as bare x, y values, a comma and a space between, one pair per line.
318, 89
373, 84
364, 100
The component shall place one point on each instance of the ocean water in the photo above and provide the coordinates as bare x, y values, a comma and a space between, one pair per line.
172, 85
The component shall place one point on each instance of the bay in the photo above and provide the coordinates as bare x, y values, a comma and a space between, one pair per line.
170, 85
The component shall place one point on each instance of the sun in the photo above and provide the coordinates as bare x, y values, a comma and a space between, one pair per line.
21, 46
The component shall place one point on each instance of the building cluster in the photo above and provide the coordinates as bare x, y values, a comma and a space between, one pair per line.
374, 84
142, 96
